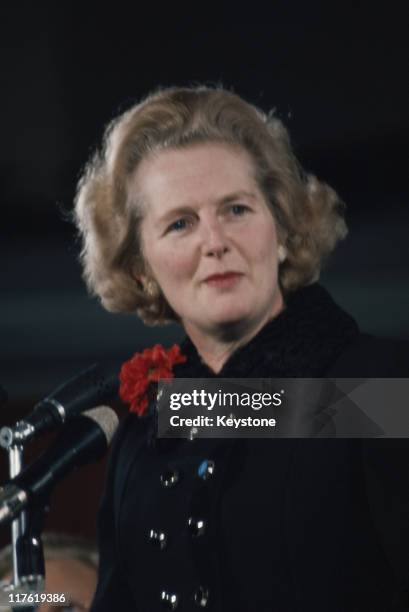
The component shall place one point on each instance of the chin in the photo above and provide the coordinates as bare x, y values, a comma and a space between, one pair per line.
231, 326
231, 310
231, 316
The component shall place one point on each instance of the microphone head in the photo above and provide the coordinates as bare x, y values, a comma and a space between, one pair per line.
89, 388
106, 418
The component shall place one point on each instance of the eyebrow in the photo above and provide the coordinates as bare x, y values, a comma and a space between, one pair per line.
185, 208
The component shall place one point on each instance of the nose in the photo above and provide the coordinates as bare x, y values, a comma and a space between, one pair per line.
215, 243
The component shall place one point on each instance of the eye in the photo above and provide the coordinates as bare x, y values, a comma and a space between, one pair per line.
176, 226
239, 209
181, 224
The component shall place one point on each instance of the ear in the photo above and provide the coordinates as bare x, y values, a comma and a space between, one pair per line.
147, 284
144, 278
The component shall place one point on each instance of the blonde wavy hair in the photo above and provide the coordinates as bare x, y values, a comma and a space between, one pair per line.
308, 213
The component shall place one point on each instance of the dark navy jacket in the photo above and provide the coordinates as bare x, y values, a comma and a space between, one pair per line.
283, 525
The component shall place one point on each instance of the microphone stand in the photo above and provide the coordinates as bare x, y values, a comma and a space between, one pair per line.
90, 387
27, 550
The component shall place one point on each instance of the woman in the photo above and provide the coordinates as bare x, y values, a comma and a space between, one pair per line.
197, 211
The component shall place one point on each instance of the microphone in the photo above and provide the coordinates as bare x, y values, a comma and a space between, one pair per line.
87, 389
83, 440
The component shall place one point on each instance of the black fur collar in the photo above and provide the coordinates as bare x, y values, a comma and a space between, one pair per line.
303, 341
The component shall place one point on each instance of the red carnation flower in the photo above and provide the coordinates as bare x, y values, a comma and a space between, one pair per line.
142, 369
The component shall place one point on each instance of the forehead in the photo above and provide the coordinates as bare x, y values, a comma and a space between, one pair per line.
176, 177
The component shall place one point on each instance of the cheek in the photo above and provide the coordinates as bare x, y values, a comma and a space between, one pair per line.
265, 249
171, 265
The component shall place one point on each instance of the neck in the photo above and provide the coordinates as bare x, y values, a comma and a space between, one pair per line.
216, 347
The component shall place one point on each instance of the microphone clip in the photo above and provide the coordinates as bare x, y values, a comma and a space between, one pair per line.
17, 435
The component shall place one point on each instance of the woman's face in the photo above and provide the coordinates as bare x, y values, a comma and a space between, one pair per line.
209, 237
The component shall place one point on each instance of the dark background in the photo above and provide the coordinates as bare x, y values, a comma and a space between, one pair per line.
335, 71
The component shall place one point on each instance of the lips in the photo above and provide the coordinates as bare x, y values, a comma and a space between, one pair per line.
224, 276
225, 281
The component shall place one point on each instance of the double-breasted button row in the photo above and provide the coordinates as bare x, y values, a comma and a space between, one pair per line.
196, 526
